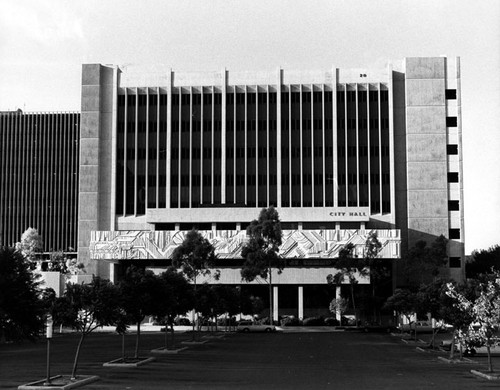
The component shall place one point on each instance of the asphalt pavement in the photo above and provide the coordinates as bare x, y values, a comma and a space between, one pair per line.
281, 360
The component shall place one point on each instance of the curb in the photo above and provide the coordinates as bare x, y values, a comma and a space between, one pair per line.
456, 361
114, 363
194, 342
412, 341
39, 385
491, 377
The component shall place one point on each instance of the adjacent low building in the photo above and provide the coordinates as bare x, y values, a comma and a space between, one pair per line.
39, 168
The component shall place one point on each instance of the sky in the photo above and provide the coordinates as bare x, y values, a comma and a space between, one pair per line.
43, 44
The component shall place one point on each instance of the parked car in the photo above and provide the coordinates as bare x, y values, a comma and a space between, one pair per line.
249, 326
423, 327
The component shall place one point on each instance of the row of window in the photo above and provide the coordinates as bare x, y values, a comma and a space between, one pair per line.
195, 153
263, 152
261, 125
195, 126
307, 179
251, 125
253, 98
450, 94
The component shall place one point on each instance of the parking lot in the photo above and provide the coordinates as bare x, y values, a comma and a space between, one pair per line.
282, 360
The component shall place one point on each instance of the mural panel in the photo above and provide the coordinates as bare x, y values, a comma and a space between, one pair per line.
297, 244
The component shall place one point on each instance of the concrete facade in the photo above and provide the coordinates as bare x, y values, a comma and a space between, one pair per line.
420, 131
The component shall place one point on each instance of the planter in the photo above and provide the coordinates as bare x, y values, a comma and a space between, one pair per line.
209, 337
164, 351
455, 360
492, 376
60, 382
129, 362
194, 342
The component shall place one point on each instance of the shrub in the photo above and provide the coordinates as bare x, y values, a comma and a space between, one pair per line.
313, 321
290, 321
223, 321
331, 321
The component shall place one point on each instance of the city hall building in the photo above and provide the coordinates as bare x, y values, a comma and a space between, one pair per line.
340, 153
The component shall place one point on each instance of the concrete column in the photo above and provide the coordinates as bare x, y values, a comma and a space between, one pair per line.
275, 303
112, 272
223, 135
301, 302
169, 136
338, 314
335, 142
278, 133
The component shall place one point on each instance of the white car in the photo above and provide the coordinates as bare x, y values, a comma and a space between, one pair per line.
249, 326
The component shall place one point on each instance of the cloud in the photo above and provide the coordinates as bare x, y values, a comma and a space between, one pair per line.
46, 22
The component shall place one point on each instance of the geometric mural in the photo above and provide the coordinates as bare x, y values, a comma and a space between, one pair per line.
297, 244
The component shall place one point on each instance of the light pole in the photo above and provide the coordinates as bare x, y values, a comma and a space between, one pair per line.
50, 324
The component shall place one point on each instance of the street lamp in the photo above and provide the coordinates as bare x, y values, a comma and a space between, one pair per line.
48, 333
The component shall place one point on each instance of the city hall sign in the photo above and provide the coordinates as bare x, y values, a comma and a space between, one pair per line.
287, 214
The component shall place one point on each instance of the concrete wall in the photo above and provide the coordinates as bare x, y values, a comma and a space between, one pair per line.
426, 141
95, 156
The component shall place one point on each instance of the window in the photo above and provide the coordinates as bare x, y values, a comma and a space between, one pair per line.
451, 149
452, 177
451, 121
453, 205
455, 262
454, 234
450, 94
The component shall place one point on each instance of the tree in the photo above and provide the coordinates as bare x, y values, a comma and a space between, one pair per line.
485, 312
139, 291
423, 262
261, 252
196, 257
228, 302
378, 268
348, 267
430, 297
404, 302
176, 297
65, 265
21, 310
206, 302
250, 304
86, 307
30, 245
483, 261
339, 305
453, 314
